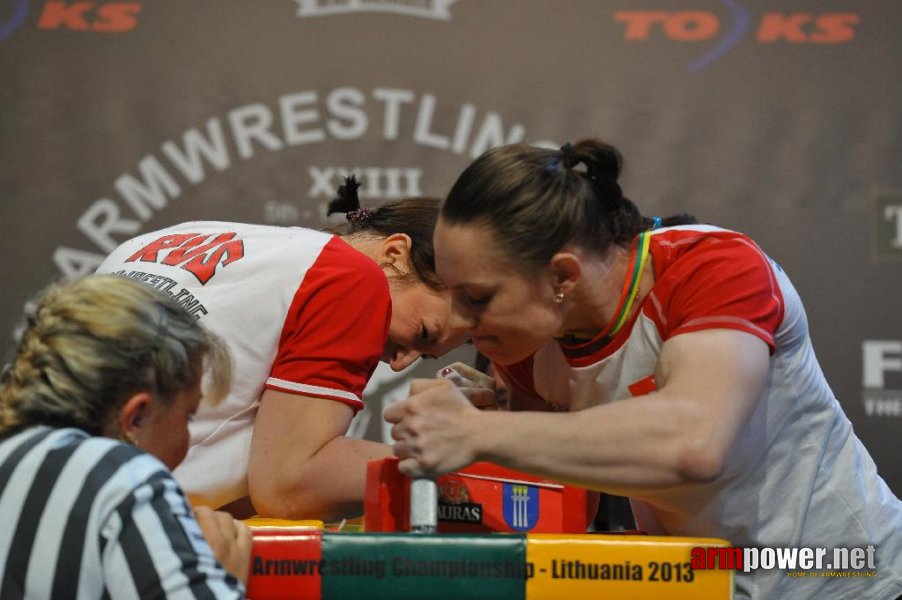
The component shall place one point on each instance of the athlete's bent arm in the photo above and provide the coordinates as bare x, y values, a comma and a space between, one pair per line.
709, 383
302, 466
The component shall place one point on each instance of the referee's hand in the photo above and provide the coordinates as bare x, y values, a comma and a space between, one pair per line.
229, 538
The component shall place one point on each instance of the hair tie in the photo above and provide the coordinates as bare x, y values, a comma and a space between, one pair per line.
568, 154
656, 222
360, 216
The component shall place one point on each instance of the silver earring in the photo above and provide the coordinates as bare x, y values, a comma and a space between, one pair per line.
559, 296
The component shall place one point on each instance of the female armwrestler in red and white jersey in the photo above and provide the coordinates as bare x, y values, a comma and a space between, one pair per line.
677, 361
307, 315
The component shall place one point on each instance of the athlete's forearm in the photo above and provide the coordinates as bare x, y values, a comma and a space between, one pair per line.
330, 485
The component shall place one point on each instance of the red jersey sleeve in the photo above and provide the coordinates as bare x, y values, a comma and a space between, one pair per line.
335, 331
721, 282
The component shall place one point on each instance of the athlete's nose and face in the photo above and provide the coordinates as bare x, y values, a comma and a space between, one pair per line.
420, 326
509, 312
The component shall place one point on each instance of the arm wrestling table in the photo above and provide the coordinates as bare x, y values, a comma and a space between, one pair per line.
501, 534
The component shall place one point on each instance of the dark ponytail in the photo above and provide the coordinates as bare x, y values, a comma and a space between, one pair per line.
414, 217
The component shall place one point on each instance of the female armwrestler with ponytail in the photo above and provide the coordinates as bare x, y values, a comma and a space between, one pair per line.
674, 358
307, 316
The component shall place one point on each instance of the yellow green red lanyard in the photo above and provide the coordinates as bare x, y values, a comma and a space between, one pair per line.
632, 286
627, 296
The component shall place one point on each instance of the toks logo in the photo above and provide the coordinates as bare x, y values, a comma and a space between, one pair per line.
108, 17
703, 26
194, 252
102, 17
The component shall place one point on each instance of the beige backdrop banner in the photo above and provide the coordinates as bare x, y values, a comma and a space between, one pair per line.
779, 118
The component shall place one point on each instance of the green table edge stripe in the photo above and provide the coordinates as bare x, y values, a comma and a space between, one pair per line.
379, 566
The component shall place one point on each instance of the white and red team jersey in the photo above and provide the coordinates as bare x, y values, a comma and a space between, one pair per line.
797, 475
301, 311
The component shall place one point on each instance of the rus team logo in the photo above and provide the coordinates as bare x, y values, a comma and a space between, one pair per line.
520, 504
199, 254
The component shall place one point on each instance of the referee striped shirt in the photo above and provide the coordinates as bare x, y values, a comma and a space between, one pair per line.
90, 517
